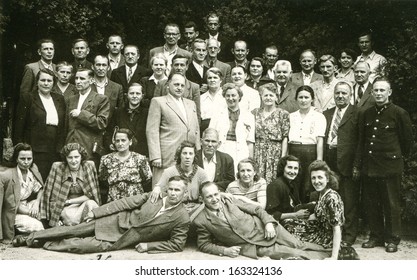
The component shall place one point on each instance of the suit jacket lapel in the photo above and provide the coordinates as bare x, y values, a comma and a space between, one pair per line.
346, 116
16, 185
218, 166
175, 108
88, 100
38, 102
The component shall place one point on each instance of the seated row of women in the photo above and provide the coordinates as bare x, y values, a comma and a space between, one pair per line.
72, 190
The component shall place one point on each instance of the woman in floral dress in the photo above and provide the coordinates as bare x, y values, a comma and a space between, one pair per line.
125, 173
323, 227
271, 133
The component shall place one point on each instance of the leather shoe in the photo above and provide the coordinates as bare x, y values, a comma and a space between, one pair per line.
391, 248
372, 244
19, 241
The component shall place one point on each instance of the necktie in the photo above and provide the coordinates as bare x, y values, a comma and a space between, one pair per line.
336, 123
360, 94
129, 75
221, 215
211, 63
281, 91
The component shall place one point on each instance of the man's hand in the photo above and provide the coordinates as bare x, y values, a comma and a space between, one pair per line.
224, 196
270, 231
75, 113
142, 247
89, 217
232, 252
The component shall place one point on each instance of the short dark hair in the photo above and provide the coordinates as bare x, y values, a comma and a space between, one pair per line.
131, 46
305, 88
241, 67
178, 179
79, 40
90, 72
283, 162
17, 149
191, 24
381, 79
46, 71
350, 53
177, 56
126, 131
205, 185
185, 144
43, 41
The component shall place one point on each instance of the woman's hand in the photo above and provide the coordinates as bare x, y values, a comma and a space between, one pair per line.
34, 211
155, 194
67, 202
157, 163
302, 214
312, 217
89, 217
270, 231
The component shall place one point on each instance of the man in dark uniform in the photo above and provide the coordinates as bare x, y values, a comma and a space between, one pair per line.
385, 137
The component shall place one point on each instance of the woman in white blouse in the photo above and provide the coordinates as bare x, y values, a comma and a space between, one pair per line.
305, 138
236, 126
41, 121
212, 101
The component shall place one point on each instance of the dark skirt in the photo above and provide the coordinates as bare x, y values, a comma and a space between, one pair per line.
306, 153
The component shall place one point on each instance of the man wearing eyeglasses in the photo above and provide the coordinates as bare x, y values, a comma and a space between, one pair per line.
170, 49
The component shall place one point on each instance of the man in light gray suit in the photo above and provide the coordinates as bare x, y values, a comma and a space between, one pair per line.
46, 50
171, 120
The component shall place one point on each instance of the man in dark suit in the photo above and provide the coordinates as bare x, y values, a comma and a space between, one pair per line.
286, 88
131, 72
240, 52
196, 69
307, 75
116, 59
46, 50
213, 49
159, 227
213, 26
80, 50
170, 49
235, 228
102, 85
385, 138
190, 34
341, 141
87, 116
270, 57
362, 90
219, 166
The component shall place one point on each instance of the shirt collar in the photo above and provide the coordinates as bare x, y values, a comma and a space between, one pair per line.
170, 52
79, 175
114, 60
213, 159
152, 78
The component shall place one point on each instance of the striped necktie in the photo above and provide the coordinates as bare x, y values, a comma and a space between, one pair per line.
129, 76
336, 123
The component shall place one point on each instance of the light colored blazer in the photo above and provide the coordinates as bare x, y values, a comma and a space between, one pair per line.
10, 199
131, 220
166, 128
245, 129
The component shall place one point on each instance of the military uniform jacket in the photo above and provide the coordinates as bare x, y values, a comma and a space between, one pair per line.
385, 136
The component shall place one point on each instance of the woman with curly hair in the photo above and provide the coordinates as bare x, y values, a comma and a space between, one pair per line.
71, 189
186, 167
323, 227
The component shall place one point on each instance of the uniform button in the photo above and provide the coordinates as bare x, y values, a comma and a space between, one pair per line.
375, 128
377, 120
373, 136
372, 143
394, 156
370, 152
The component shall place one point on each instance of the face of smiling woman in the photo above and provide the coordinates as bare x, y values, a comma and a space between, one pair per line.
319, 180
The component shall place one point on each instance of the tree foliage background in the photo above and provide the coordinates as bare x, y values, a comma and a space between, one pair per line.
324, 25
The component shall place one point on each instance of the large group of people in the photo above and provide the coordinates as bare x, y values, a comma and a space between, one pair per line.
246, 156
